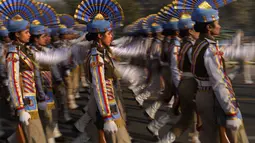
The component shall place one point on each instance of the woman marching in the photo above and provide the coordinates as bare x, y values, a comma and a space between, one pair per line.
43, 81
21, 76
102, 16
21, 66
215, 100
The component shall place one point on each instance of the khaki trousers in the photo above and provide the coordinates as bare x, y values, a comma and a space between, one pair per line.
210, 132
188, 107
76, 79
47, 122
72, 81
34, 132
82, 76
121, 136
247, 72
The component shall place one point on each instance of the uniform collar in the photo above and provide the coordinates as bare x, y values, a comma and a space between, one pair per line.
208, 38
18, 43
210, 41
190, 39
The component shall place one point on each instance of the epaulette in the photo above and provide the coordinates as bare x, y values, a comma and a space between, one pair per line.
32, 47
177, 42
94, 52
12, 48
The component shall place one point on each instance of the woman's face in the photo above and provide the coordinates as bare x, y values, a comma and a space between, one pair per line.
7, 39
23, 36
48, 39
107, 38
42, 40
215, 30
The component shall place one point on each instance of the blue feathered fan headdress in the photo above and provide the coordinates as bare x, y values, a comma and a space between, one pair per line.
49, 16
101, 15
169, 16
179, 18
67, 20
204, 10
80, 27
193, 4
16, 14
128, 29
27, 9
150, 25
136, 27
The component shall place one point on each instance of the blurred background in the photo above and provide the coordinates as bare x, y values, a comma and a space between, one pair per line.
237, 15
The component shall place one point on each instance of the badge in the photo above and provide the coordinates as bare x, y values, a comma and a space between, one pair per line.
11, 59
96, 64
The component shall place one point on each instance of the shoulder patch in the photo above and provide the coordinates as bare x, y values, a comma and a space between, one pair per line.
13, 57
96, 61
12, 49
95, 64
94, 51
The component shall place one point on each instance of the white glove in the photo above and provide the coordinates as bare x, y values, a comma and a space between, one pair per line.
68, 72
42, 105
110, 126
6, 82
24, 117
234, 124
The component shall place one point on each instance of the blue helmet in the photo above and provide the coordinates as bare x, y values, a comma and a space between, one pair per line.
37, 29
4, 31
17, 24
185, 22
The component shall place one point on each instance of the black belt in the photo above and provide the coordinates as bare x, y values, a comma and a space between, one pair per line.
204, 88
